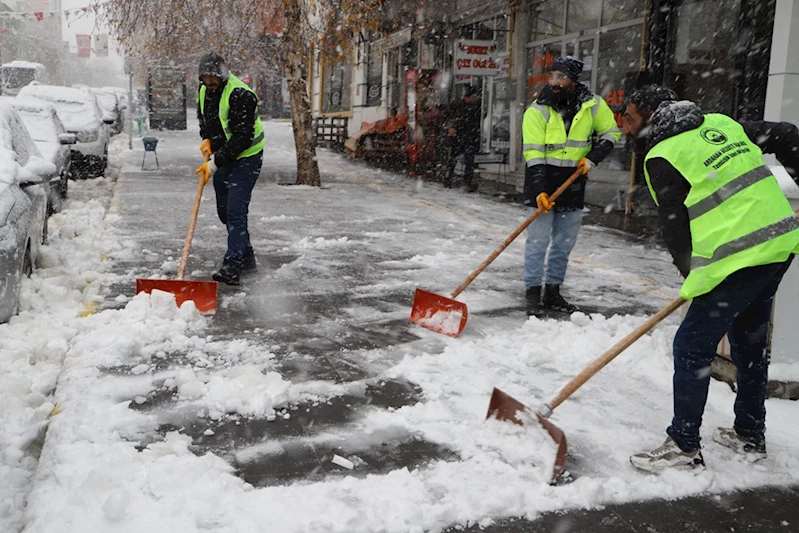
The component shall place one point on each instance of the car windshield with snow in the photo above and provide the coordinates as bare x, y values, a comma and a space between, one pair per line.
109, 104
81, 115
52, 140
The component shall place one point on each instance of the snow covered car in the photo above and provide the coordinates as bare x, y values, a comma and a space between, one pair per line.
23, 206
109, 103
80, 112
52, 140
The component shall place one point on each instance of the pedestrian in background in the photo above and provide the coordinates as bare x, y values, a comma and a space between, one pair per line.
557, 132
732, 234
233, 140
463, 135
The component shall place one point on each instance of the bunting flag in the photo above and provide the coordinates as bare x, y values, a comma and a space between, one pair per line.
93, 7
84, 45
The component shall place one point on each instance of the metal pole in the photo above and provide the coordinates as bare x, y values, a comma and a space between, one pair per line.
130, 111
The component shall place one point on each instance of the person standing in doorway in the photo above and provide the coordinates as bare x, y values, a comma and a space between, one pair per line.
557, 132
732, 234
463, 134
233, 142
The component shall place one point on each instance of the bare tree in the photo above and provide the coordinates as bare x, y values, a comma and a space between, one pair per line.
250, 33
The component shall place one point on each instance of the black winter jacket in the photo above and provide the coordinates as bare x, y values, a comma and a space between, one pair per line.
547, 178
243, 111
465, 118
671, 187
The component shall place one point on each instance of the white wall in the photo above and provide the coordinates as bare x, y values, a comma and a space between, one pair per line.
93, 71
782, 104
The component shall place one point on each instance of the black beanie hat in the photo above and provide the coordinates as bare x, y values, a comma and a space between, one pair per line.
212, 64
649, 97
569, 65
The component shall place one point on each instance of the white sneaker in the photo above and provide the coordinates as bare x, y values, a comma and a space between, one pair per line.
667, 456
729, 437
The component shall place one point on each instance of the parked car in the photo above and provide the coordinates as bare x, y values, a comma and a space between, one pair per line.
123, 98
52, 140
109, 103
80, 112
23, 206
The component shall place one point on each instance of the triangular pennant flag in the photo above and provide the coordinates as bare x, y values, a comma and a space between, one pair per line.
39, 16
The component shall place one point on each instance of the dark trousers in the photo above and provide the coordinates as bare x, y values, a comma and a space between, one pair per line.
233, 186
468, 149
741, 307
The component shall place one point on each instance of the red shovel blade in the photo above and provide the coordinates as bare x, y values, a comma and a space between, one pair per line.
202, 293
439, 313
505, 407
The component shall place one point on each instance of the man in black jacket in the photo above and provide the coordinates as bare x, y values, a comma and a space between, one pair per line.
463, 134
233, 142
732, 235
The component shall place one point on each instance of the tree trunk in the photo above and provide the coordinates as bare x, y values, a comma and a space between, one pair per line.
294, 56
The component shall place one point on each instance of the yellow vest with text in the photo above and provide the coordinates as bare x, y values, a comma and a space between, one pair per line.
739, 216
546, 141
233, 82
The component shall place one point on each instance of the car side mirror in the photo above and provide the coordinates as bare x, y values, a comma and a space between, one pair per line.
67, 138
36, 172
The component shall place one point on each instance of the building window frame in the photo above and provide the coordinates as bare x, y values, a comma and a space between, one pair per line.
573, 39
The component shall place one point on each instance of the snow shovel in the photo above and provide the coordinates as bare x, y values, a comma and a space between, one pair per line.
202, 293
447, 315
504, 407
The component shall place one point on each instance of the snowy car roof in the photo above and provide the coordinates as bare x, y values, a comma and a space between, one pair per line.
23, 64
77, 108
56, 93
30, 105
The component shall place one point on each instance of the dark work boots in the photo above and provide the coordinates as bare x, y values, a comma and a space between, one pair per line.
533, 297
249, 264
229, 274
553, 300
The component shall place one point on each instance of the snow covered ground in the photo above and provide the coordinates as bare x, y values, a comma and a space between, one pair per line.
75, 368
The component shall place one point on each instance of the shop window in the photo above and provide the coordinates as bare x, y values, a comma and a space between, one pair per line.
582, 15
584, 50
546, 19
394, 85
619, 61
614, 11
374, 80
336, 88
709, 56
501, 34
540, 58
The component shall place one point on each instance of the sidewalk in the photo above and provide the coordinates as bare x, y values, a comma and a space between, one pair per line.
321, 334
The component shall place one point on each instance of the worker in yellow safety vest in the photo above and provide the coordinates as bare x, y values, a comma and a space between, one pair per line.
732, 234
565, 129
233, 142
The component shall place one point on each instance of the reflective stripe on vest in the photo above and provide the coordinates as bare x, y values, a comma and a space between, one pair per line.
233, 82
560, 148
739, 216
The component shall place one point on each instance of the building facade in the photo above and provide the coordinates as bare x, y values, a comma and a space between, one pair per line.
714, 52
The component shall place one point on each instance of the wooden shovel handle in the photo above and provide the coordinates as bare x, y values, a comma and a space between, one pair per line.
512, 236
600, 362
184, 258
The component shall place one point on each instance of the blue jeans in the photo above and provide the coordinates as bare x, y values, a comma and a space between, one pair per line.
741, 307
233, 186
556, 232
